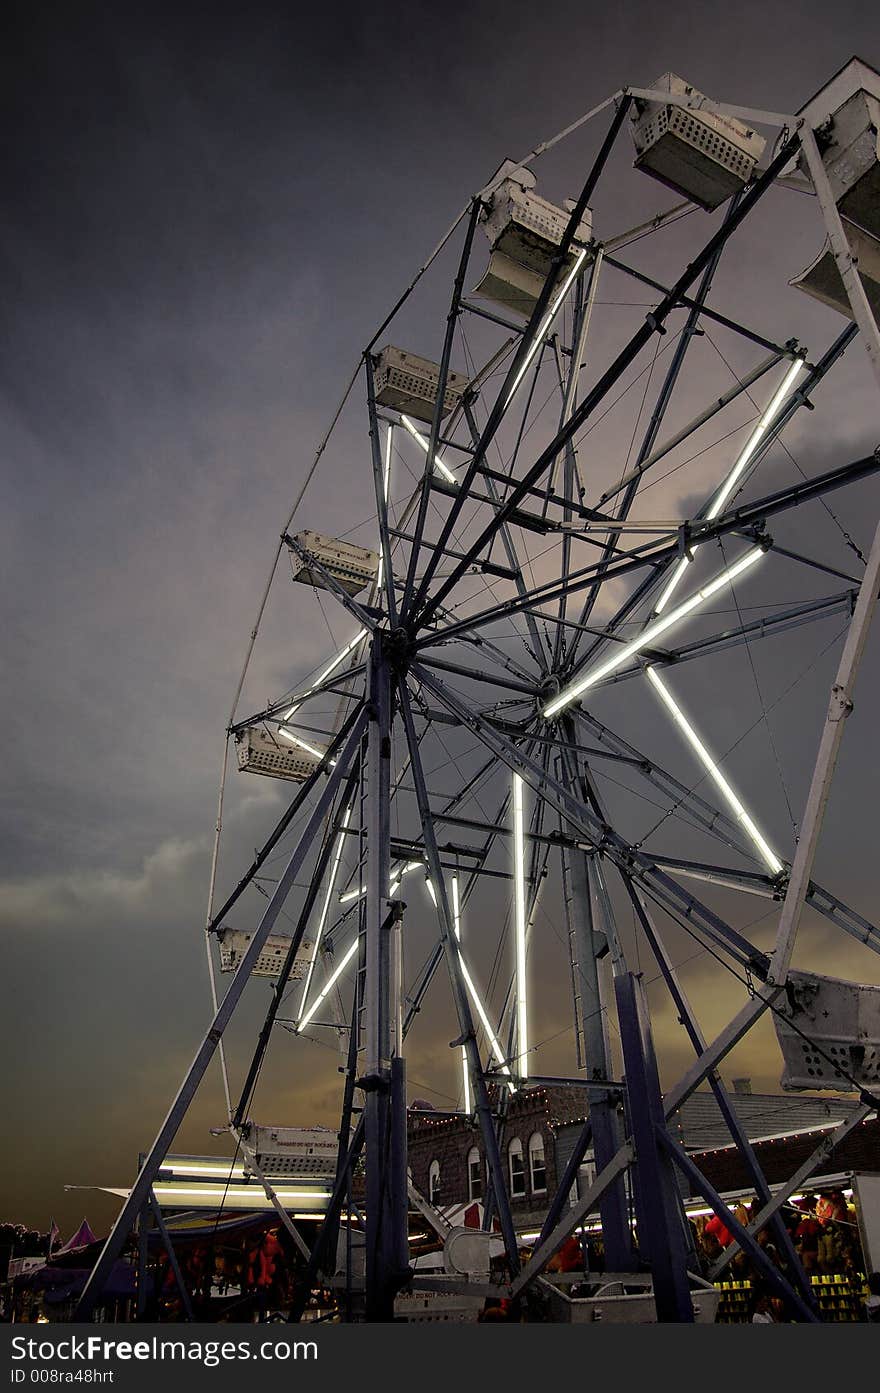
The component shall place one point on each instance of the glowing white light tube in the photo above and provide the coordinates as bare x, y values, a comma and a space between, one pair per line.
349, 647
386, 479
328, 985
303, 744
759, 842
164, 1191
519, 896
398, 876
392, 888
352, 895
764, 423
456, 923
478, 1005
325, 910
660, 626
438, 462
545, 324
183, 1168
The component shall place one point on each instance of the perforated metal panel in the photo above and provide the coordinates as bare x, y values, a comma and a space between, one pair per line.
528, 227
234, 943
701, 154
830, 1033
351, 567
525, 231
295, 1151
260, 751
408, 383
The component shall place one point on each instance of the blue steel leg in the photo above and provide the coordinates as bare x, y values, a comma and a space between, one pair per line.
661, 1222
382, 1249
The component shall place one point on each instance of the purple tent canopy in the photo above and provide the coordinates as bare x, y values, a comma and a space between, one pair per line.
81, 1239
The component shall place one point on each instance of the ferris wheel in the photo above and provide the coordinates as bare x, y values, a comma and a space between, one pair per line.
523, 781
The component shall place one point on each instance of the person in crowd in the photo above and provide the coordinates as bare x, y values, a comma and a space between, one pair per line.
717, 1228
806, 1237
764, 1240
762, 1308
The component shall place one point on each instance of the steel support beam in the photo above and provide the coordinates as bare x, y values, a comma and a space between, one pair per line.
653, 324
657, 415
740, 519
382, 1119
172, 1257
140, 1191
519, 358
379, 487
285, 820
841, 699
589, 947
599, 833
659, 1210
278, 986
576, 1215
722, 1098
809, 1167
762, 1262
437, 417
459, 992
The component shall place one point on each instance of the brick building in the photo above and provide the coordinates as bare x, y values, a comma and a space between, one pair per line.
448, 1164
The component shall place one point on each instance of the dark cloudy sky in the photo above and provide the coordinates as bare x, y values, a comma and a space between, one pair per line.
206, 211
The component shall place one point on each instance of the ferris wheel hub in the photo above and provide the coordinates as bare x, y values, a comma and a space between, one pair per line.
397, 646
549, 688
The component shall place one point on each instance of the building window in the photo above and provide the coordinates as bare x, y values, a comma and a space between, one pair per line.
517, 1169
537, 1166
434, 1182
475, 1174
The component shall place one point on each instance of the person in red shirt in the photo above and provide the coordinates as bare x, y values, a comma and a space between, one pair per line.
570, 1257
806, 1236
719, 1230
831, 1207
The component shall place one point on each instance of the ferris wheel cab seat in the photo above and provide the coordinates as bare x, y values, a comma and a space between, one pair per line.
234, 943
405, 382
353, 568
525, 232
822, 279
829, 1033
260, 751
845, 115
704, 155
